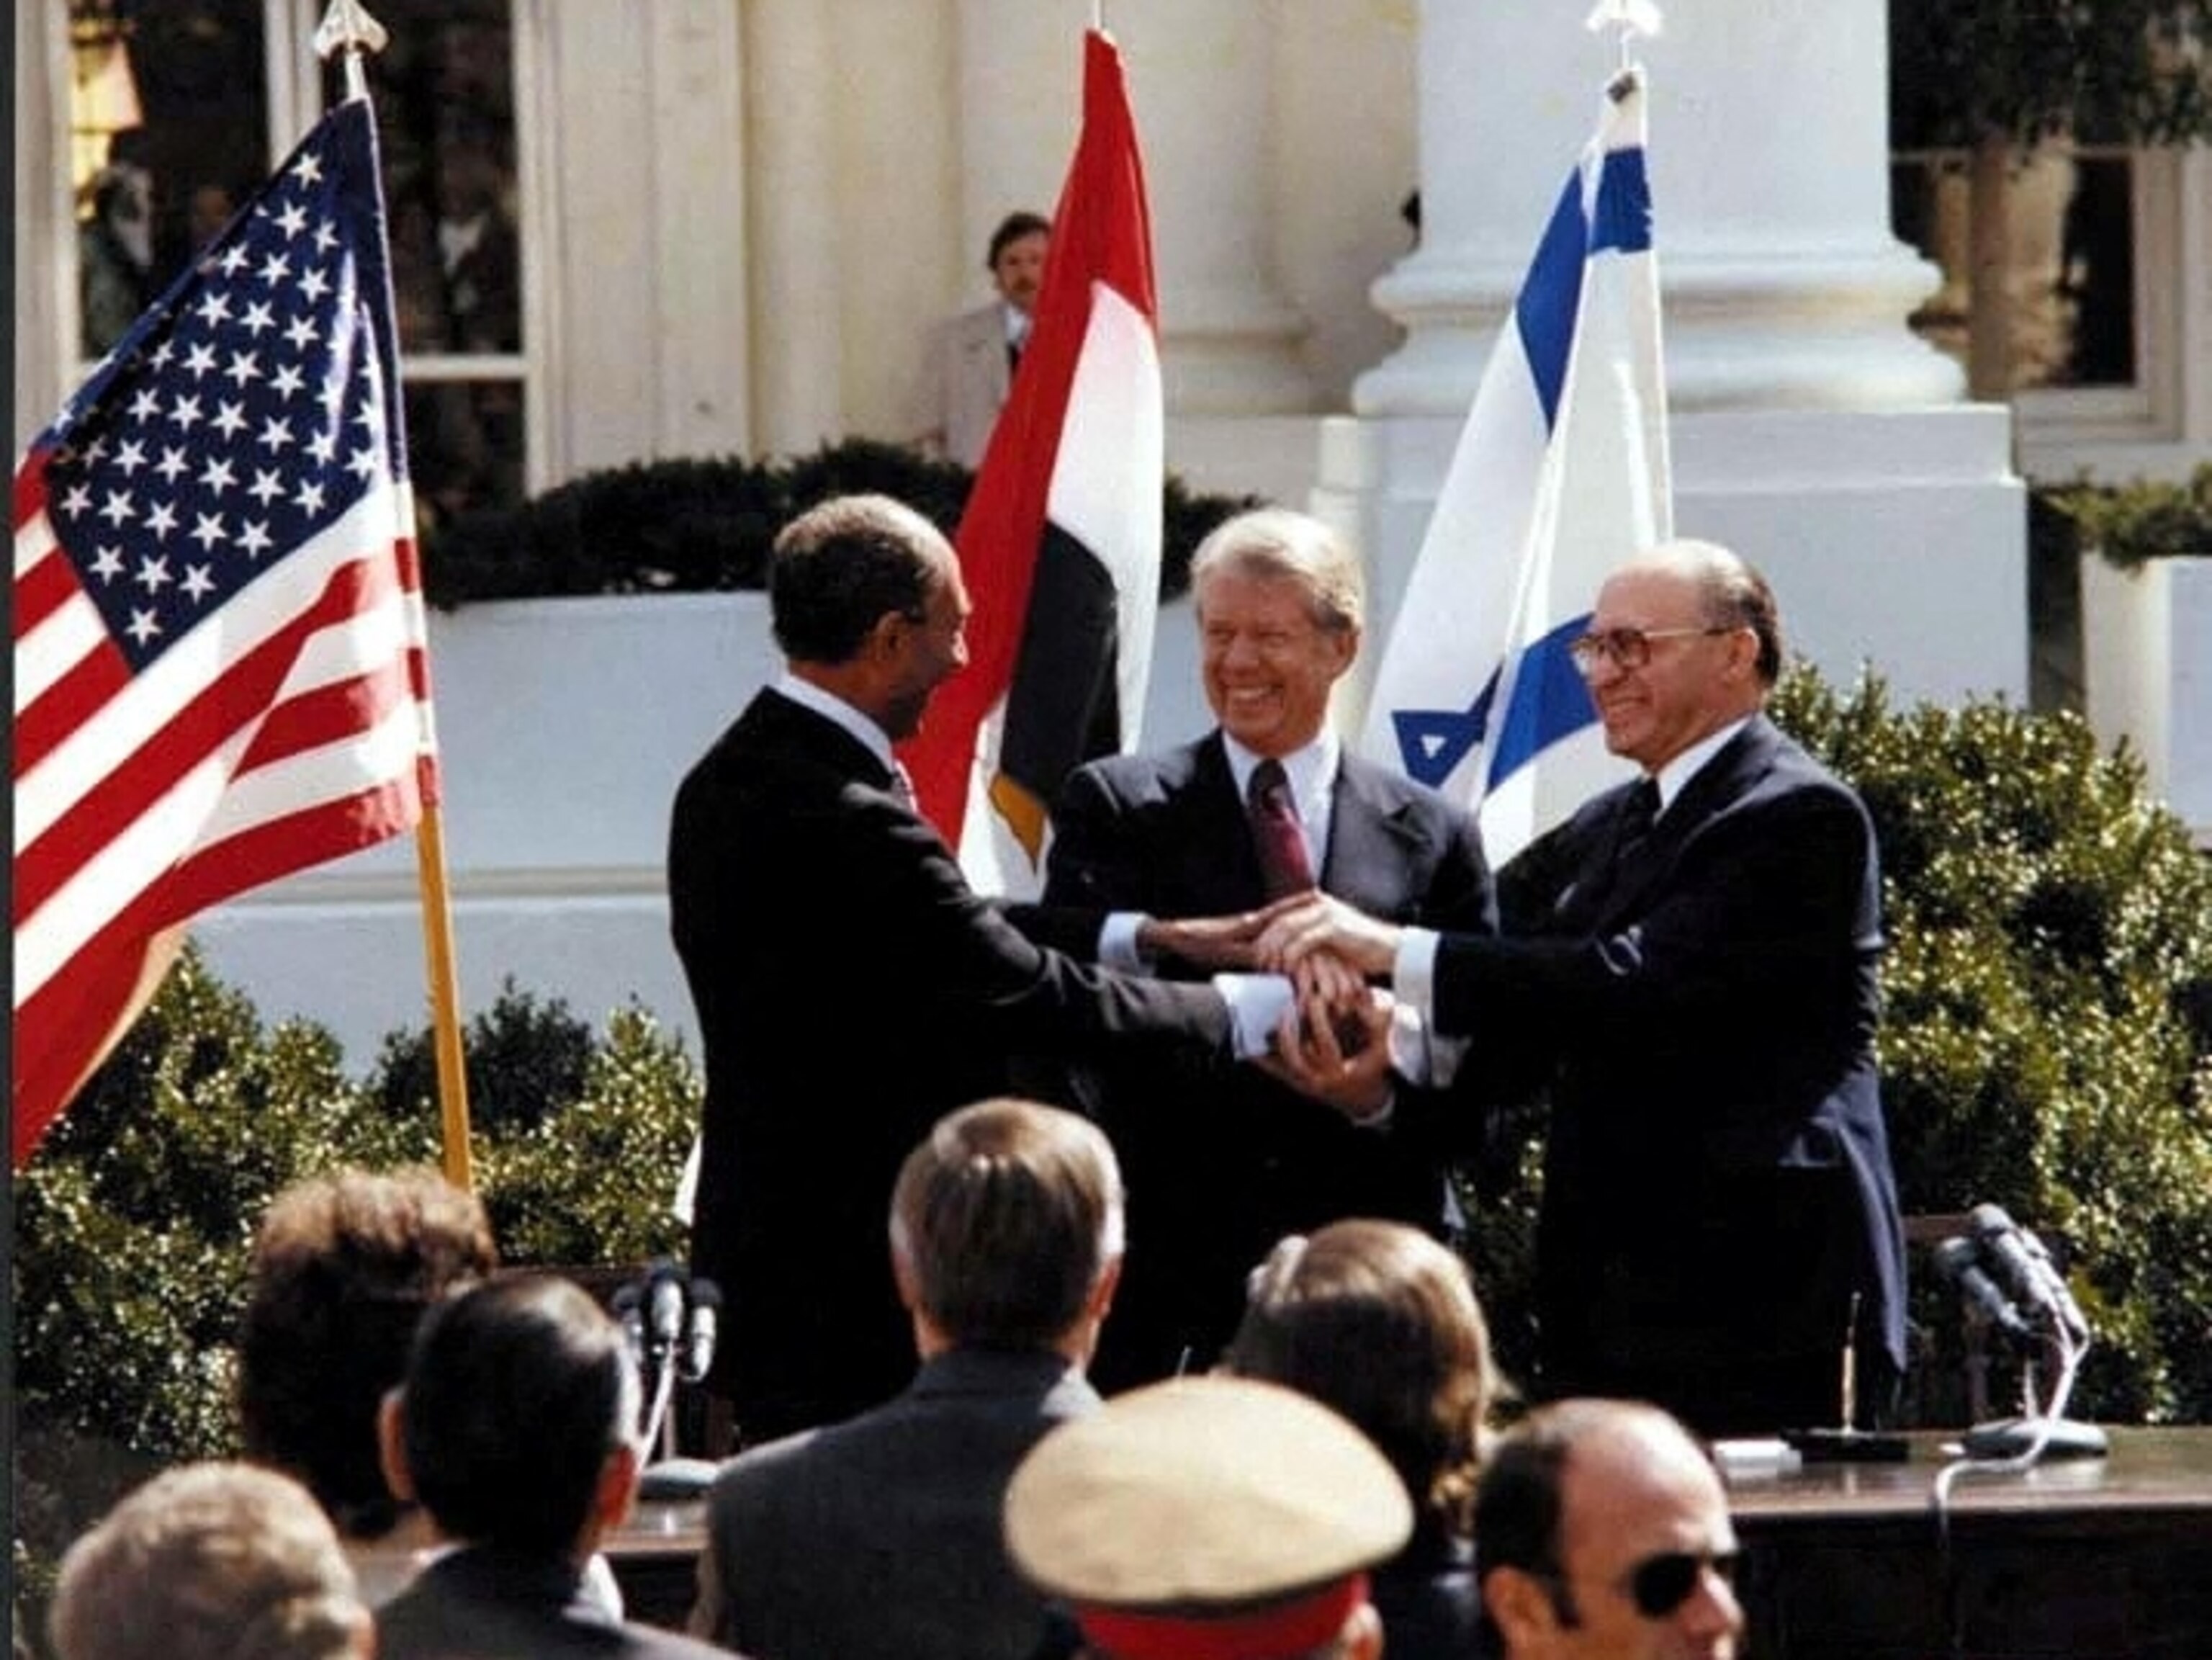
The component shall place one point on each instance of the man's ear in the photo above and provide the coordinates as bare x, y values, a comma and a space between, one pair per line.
616, 1495
391, 1446
1346, 642
1100, 1302
1519, 1603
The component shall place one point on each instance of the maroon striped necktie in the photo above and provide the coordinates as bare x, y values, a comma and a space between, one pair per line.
1281, 844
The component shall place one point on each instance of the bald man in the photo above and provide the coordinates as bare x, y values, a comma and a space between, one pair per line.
1605, 1536
1687, 973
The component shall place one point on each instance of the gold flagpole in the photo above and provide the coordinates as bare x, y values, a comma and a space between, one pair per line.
347, 27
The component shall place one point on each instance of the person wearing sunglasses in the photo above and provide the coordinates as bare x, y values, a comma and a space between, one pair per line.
1686, 973
1605, 1535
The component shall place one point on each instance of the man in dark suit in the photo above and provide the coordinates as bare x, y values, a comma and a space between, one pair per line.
1697, 992
850, 987
516, 1430
1220, 1169
880, 1537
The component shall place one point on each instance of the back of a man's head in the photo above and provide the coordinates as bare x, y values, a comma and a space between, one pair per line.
209, 1562
1004, 1218
342, 1268
519, 1392
840, 566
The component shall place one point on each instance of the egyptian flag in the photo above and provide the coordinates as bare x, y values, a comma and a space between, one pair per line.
1060, 543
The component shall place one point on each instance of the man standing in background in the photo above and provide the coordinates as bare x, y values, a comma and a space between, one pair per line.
969, 362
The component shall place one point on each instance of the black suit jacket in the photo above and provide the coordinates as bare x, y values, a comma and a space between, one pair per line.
880, 1538
1718, 1182
1220, 1166
850, 989
483, 1602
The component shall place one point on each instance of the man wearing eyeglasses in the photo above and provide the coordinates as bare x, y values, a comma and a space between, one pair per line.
1605, 1537
1687, 972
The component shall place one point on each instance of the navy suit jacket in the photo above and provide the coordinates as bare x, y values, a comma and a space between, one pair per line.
1701, 1014
1221, 1166
851, 989
880, 1538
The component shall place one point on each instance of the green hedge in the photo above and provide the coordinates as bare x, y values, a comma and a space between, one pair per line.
134, 1219
2144, 518
703, 526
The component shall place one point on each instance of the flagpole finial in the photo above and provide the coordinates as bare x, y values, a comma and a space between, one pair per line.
347, 27
1634, 18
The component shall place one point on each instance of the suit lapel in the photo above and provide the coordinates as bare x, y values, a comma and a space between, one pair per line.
1216, 820
1743, 761
1368, 842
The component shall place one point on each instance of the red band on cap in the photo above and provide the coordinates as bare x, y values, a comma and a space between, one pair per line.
1275, 1632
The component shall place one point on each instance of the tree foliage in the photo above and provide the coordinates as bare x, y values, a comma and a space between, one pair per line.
2107, 71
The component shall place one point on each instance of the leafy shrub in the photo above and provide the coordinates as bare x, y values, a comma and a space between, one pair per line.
2147, 519
134, 1220
692, 527
2045, 1035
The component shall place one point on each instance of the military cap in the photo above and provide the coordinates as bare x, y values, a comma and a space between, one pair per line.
1206, 1516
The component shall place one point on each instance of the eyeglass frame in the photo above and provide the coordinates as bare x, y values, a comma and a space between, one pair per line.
1614, 646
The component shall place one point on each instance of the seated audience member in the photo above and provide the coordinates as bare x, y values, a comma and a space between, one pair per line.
1603, 1534
210, 1562
1380, 1321
342, 1270
1210, 1517
881, 1537
516, 1430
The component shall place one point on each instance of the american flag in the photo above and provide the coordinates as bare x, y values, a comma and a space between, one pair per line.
219, 669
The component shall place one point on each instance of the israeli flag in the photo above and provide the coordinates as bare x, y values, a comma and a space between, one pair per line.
1560, 474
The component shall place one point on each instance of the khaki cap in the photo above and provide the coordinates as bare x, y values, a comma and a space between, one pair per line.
1202, 1494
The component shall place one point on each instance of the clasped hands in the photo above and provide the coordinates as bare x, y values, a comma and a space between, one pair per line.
1333, 1041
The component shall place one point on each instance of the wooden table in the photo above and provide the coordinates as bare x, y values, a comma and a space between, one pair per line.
2107, 1558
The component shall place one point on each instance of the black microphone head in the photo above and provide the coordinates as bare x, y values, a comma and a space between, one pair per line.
705, 1294
627, 1297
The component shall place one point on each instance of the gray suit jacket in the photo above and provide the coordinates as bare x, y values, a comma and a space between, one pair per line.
483, 1602
964, 379
878, 1539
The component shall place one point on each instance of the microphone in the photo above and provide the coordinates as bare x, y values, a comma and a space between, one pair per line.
698, 1338
1958, 1264
627, 1306
665, 1311
2026, 1268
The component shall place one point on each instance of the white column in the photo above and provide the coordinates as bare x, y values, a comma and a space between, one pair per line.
45, 313
1771, 203
1811, 429
1201, 77
791, 70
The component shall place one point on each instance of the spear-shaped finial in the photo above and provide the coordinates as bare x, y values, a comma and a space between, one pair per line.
347, 27
1631, 17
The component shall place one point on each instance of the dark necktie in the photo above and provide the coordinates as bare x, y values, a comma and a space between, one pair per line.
1637, 814
1276, 836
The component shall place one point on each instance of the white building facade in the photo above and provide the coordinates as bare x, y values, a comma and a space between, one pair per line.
735, 217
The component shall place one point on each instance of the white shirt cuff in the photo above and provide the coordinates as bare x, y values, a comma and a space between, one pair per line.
1257, 1004
1117, 942
1413, 974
